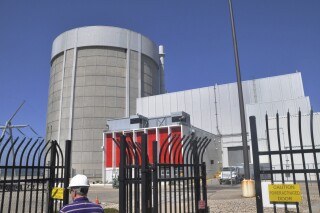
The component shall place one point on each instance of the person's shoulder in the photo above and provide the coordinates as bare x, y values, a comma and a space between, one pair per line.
93, 205
65, 208
79, 206
96, 205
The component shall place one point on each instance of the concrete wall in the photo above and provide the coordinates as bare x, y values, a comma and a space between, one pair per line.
96, 74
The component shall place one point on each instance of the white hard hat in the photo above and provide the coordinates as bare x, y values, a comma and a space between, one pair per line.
79, 181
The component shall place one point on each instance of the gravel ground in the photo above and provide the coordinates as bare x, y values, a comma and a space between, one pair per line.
226, 199
247, 205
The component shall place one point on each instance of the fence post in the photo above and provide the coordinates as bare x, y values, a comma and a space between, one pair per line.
256, 163
155, 177
67, 168
145, 199
196, 174
204, 184
122, 175
52, 174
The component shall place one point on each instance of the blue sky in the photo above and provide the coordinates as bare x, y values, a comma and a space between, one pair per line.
274, 37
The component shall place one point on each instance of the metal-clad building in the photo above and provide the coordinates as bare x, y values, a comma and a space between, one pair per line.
216, 109
97, 73
156, 128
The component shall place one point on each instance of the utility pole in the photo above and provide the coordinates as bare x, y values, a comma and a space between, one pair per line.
240, 94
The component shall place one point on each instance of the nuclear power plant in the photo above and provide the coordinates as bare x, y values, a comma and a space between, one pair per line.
108, 81
97, 73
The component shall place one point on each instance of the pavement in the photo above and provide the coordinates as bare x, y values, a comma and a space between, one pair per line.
221, 198
106, 194
215, 191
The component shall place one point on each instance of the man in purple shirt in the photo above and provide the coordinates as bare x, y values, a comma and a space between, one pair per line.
79, 187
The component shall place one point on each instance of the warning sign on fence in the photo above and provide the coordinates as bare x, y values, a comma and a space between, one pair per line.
284, 193
57, 193
202, 204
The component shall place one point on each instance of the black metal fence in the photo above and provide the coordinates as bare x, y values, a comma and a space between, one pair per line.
29, 170
175, 180
289, 161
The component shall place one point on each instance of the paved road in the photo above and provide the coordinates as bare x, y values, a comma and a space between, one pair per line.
105, 193
216, 191
224, 191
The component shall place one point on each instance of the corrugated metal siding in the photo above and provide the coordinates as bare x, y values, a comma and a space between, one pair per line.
284, 139
273, 94
282, 107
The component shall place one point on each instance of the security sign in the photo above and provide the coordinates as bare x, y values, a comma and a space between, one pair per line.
202, 204
284, 193
57, 193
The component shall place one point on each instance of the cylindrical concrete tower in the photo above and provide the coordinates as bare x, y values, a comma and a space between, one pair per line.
96, 74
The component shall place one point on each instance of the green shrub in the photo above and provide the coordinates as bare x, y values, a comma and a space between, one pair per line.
111, 210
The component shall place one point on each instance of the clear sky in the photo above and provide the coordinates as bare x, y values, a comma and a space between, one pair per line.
274, 37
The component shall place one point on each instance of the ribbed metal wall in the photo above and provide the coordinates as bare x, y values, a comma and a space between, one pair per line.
96, 74
216, 109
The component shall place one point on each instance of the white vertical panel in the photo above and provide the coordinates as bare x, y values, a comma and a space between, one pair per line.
291, 106
173, 102
145, 107
316, 129
279, 106
247, 92
303, 104
252, 110
139, 105
152, 106
159, 105
218, 110
180, 101
275, 88
166, 104
225, 112
205, 112
287, 92
248, 88
189, 104
196, 111
297, 85
305, 126
264, 93
212, 111
234, 109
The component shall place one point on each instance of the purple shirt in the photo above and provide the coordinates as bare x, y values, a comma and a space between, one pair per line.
82, 205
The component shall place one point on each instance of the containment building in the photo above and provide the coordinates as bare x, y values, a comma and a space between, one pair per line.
96, 74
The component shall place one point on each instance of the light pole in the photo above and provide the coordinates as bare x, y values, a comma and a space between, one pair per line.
240, 94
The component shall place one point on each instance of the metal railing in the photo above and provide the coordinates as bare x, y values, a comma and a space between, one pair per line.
174, 182
29, 174
281, 168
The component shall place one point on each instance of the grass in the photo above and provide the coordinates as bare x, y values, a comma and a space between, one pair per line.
110, 210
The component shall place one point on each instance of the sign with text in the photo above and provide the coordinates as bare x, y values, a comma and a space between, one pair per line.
284, 193
57, 193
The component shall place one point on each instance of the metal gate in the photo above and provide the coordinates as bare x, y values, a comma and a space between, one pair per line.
29, 170
174, 182
282, 159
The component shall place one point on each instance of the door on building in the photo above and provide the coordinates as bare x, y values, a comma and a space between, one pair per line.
235, 155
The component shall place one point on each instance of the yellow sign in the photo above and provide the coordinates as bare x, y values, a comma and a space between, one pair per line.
284, 193
57, 193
